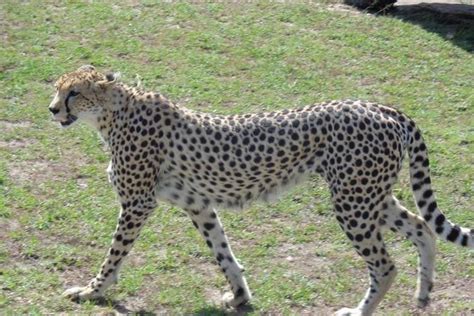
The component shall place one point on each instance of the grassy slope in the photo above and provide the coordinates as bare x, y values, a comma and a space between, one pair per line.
57, 212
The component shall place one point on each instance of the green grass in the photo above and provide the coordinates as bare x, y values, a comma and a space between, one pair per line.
58, 213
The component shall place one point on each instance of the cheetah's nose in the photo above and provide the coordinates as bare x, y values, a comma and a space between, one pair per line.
53, 110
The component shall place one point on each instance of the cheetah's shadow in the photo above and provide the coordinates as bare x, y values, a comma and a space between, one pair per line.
120, 308
221, 311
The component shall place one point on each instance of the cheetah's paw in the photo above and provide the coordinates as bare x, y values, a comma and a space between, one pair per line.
348, 312
423, 302
230, 300
81, 293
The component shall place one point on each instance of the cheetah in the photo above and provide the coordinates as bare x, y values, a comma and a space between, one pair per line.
200, 162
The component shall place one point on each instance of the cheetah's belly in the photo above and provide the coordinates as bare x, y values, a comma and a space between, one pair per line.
225, 192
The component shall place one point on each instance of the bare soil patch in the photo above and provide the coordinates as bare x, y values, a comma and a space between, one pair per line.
303, 257
16, 143
40, 171
344, 8
7, 226
8, 126
445, 293
36, 171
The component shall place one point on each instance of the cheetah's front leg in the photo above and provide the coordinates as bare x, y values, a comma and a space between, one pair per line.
209, 225
132, 217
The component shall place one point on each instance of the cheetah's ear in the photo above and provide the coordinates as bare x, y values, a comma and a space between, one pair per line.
112, 76
110, 79
87, 68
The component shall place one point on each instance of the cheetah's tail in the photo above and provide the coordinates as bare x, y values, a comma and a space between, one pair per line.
424, 196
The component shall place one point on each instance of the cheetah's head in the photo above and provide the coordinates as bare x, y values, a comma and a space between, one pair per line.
81, 94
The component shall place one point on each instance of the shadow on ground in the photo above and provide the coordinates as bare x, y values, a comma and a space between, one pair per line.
453, 22
240, 311
121, 309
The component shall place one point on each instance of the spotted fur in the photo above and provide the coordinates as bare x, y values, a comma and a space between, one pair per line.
202, 162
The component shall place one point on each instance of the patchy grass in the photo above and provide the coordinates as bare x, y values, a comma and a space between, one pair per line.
57, 212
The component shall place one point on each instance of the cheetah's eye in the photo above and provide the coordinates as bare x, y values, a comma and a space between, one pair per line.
73, 93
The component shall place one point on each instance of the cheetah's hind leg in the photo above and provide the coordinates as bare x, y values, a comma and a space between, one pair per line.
413, 227
368, 242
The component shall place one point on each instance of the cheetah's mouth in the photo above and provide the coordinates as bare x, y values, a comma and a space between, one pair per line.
70, 119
